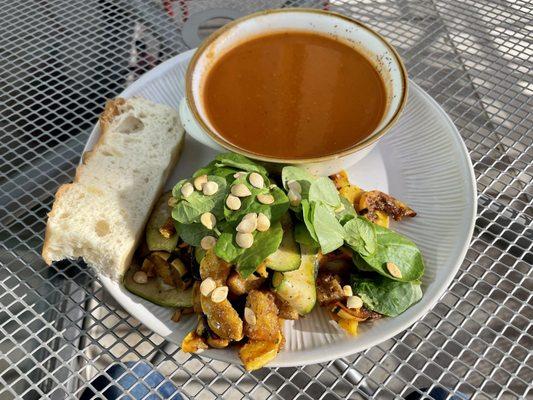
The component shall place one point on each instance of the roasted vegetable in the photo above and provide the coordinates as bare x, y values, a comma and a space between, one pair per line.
266, 325
328, 288
193, 343
239, 286
374, 202
159, 219
256, 354
222, 318
214, 267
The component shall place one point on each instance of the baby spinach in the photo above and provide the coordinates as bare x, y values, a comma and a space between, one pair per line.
192, 233
307, 216
188, 210
392, 247
386, 296
300, 175
247, 260
237, 161
265, 243
324, 190
360, 235
329, 231
302, 236
346, 212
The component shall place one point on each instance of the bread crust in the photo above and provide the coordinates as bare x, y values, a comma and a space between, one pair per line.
111, 111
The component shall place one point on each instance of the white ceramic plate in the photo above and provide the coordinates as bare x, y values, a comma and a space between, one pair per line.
422, 161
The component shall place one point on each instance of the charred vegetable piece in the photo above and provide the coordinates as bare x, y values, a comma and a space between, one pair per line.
256, 354
192, 343
285, 310
265, 324
222, 318
239, 286
375, 201
159, 219
215, 268
328, 288
154, 291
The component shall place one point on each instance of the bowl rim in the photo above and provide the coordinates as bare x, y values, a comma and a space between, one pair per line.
356, 147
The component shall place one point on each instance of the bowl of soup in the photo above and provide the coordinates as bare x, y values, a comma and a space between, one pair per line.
294, 87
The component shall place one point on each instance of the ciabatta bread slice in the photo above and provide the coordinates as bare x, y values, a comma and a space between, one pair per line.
101, 215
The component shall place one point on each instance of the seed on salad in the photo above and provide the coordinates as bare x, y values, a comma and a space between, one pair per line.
210, 188
394, 270
265, 198
208, 242
354, 302
263, 223
295, 198
294, 186
239, 174
249, 316
140, 277
244, 240
347, 289
199, 182
207, 286
219, 294
272, 186
248, 224
256, 180
187, 189
240, 190
208, 220
233, 202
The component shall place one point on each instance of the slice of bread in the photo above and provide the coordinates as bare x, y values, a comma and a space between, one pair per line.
101, 215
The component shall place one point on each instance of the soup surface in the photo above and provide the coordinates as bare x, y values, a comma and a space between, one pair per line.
294, 95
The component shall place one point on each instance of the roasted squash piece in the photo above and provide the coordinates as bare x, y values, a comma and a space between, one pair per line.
239, 285
193, 343
349, 326
222, 318
352, 193
374, 202
214, 267
340, 179
267, 325
256, 353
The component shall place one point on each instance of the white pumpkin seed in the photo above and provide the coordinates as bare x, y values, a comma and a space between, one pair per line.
208, 242
249, 316
199, 182
248, 224
347, 289
256, 180
219, 294
207, 286
187, 189
394, 270
240, 190
294, 186
140, 277
239, 174
263, 223
208, 220
265, 198
233, 202
295, 198
244, 240
354, 302
210, 188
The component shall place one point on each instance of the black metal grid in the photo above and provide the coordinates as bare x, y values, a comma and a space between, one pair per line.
62, 336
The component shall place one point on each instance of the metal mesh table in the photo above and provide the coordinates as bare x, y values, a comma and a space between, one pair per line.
62, 336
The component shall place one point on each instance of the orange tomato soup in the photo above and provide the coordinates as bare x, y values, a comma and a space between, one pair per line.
294, 95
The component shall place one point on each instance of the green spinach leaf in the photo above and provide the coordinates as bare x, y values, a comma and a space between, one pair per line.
192, 233
300, 175
392, 247
360, 235
226, 248
239, 162
307, 215
347, 212
324, 190
386, 296
302, 236
329, 231
265, 243
188, 210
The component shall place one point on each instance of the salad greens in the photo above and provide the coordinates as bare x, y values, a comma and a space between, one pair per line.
386, 296
324, 221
